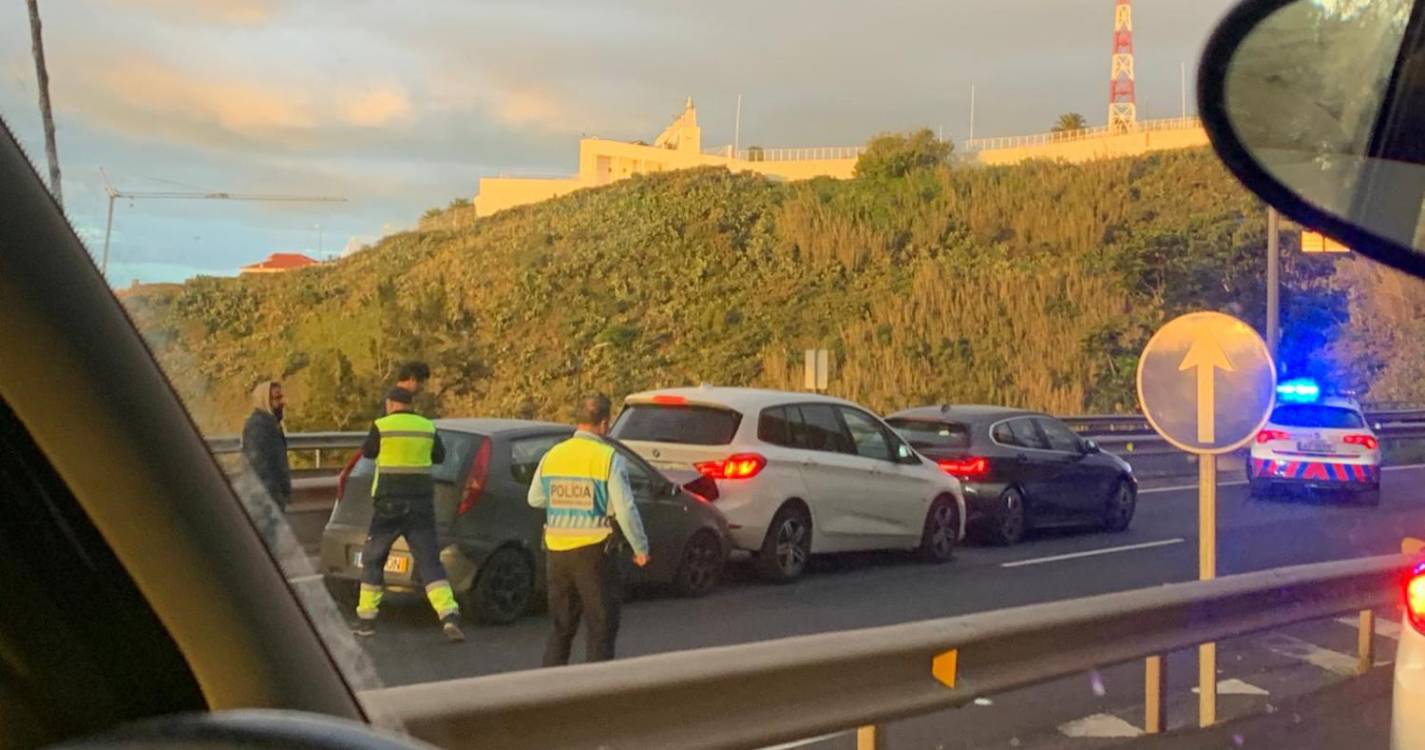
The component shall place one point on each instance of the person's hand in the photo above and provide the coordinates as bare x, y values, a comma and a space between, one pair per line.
640, 560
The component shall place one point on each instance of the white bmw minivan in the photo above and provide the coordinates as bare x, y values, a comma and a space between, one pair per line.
798, 474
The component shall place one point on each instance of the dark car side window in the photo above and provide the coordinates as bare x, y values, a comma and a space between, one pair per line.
526, 452
1002, 434
821, 430
1061, 438
458, 447
1027, 435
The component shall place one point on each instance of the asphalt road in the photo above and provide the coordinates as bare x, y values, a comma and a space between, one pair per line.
864, 590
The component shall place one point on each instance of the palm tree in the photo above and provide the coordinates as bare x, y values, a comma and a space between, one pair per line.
1070, 122
42, 78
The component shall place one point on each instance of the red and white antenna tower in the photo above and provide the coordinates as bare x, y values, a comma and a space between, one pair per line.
1122, 111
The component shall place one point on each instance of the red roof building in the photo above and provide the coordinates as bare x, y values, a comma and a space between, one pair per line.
279, 262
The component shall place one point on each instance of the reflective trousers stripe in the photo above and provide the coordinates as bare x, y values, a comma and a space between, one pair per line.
442, 599
369, 601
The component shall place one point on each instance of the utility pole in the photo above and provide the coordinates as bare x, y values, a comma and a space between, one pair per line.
972, 111
1182, 75
46, 112
1273, 281
737, 127
115, 194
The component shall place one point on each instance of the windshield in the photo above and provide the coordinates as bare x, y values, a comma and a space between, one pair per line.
333, 221
689, 425
1328, 417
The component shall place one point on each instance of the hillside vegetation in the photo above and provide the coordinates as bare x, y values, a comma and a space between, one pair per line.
1033, 285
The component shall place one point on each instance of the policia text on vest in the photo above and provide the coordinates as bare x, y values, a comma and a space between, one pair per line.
582, 483
405, 446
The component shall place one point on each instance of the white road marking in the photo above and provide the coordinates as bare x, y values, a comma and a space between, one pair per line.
1091, 553
305, 579
984, 702
1384, 628
1185, 487
1237, 687
1099, 725
1295, 648
805, 742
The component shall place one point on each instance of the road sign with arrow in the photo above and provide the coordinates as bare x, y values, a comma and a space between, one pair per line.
1206, 382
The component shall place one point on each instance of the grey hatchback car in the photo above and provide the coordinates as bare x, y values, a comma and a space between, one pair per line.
491, 539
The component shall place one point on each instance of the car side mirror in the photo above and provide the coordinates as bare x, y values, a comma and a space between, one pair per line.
904, 454
1318, 107
1376, 426
1089, 446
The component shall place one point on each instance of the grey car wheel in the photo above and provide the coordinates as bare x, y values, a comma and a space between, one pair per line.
701, 568
787, 548
503, 589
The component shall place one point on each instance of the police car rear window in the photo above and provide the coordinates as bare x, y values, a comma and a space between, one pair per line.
1314, 415
687, 425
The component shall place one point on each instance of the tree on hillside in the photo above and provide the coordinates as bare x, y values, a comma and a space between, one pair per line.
1070, 122
896, 154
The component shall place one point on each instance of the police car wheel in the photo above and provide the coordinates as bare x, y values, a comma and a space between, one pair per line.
503, 589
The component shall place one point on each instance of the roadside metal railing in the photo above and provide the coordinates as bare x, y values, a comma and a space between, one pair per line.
757, 153
1038, 139
758, 694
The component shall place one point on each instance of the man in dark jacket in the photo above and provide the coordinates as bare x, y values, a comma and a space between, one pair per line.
264, 445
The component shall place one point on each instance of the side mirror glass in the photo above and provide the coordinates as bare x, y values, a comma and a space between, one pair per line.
904, 454
1090, 446
1319, 107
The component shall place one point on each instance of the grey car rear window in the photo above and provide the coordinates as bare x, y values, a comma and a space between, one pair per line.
526, 453
688, 425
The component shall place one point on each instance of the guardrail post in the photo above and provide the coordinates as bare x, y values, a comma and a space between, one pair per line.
870, 737
1155, 685
319, 458
1366, 642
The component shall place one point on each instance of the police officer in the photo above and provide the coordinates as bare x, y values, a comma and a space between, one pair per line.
583, 485
405, 445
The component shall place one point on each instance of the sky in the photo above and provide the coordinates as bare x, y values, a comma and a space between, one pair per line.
400, 107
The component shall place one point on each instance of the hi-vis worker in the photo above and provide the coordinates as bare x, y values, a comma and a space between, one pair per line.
405, 445
583, 483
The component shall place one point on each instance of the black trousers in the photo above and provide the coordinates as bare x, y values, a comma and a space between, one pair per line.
412, 517
583, 584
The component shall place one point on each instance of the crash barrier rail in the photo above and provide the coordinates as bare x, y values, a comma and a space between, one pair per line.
1126, 434
758, 694
1141, 126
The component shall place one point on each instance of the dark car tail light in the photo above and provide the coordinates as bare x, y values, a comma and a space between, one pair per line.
1415, 597
346, 472
1267, 436
968, 468
479, 475
1365, 441
736, 466
703, 488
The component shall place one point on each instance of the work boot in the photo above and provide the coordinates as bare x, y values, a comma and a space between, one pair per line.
365, 627
451, 625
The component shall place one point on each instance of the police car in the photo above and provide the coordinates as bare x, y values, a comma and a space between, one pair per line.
1315, 442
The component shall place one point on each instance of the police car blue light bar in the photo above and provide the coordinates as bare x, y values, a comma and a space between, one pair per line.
1301, 390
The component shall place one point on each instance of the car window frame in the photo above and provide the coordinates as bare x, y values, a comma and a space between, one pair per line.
1009, 422
1040, 422
879, 428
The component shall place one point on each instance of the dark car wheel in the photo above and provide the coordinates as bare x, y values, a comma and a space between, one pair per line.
942, 529
503, 590
701, 568
1007, 526
1121, 504
787, 548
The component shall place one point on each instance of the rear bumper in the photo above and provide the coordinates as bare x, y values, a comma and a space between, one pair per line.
337, 559
982, 500
1316, 473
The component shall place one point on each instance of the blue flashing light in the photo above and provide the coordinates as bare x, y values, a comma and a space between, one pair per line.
1299, 391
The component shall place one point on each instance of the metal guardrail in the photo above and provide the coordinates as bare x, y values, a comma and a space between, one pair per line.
758, 694
1038, 139
756, 153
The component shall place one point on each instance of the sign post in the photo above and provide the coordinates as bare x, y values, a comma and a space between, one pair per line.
1207, 383
818, 370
